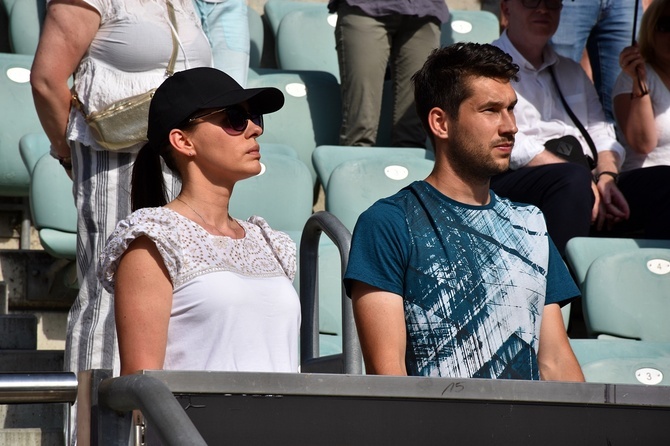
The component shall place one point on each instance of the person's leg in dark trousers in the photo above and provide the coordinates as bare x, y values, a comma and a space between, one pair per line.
562, 192
647, 191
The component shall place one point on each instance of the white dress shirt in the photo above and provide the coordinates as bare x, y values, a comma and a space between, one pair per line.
540, 115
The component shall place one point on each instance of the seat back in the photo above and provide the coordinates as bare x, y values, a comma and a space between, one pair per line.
281, 193
623, 361
327, 157
306, 41
276, 10
17, 118
581, 252
628, 295
470, 26
24, 20
51, 200
257, 37
625, 285
356, 184
311, 115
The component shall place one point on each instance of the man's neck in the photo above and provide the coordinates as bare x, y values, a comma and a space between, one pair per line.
531, 49
466, 191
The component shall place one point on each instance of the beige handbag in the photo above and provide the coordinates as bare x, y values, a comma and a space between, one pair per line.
123, 123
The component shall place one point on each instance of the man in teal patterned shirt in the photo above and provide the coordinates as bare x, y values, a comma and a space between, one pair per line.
446, 278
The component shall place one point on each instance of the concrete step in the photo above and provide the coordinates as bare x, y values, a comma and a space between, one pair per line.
29, 416
18, 331
31, 437
18, 361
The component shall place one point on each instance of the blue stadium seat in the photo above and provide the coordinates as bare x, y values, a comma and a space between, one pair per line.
305, 40
311, 115
470, 26
25, 18
51, 200
622, 361
356, 184
327, 157
257, 37
281, 193
17, 118
625, 286
275, 10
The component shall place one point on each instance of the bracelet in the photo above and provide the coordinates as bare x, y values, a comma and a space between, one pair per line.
65, 161
612, 174
638, 96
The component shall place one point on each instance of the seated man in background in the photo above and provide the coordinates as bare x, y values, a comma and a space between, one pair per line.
571, 196
446, 278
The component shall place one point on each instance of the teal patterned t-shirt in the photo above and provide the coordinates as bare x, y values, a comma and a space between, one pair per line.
474, 279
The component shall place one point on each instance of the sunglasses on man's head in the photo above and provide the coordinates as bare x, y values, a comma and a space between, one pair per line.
549, 4
236, 120
663, 24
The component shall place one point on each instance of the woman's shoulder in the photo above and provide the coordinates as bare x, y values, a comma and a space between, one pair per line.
161, 225
280, 243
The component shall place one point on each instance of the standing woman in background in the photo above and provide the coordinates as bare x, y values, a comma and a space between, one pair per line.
642, 92
115, 49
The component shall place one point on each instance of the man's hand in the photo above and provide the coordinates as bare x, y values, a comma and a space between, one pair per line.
611, 206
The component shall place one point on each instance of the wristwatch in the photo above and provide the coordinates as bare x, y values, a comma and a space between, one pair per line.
612, 174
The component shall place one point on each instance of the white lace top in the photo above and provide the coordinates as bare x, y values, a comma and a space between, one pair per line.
130, 53
234, 306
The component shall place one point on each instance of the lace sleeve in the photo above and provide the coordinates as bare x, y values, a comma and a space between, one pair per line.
154, 223
282, 246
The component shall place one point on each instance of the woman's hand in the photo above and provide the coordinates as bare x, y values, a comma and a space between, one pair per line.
632, 63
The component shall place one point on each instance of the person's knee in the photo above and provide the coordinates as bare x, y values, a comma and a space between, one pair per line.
572, 183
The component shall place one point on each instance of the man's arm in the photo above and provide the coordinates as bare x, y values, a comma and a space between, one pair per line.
380, 320
555, 357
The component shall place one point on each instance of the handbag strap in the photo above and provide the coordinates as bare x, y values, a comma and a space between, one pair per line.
175, 45
169, 71
574, 118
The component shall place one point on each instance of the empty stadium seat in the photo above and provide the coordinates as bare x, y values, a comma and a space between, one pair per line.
622, 361
327, 157
625, 286
257, 37
24, 18
470, 26
51, 200
281, 193
305, 40
311, 115
356, 184
17, 118
275, 10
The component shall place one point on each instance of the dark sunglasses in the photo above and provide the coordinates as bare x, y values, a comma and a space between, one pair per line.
549, 4
236, 120
663, 25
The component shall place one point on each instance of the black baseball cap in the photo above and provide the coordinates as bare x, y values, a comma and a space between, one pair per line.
189, 91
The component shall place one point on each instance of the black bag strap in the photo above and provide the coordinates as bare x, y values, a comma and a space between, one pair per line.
574, 118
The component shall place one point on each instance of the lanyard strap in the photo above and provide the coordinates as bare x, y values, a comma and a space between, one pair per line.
574, 118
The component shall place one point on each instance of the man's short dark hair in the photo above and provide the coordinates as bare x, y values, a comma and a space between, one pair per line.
443, 80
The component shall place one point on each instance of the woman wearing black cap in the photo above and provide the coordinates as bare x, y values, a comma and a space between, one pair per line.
196, 289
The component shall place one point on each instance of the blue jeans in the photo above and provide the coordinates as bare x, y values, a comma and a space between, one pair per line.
604, 28
226, 26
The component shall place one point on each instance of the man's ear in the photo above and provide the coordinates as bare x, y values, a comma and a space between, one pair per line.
504, 10
439, 123
181, 142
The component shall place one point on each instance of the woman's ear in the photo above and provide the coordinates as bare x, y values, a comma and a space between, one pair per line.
439, 123
181, 141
